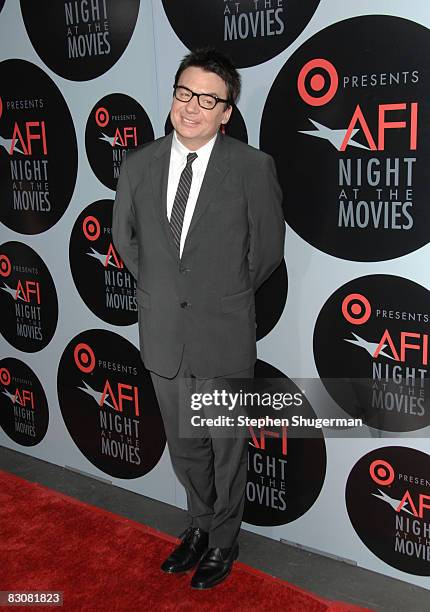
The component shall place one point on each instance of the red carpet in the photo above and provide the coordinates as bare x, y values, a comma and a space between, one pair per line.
102, 561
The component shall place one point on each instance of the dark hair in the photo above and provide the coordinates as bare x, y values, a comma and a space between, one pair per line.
211, 60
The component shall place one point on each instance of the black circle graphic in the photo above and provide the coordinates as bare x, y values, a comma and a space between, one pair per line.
270, 300
285, 474
85, 38
236, 127
116, 124
28, 299
350, 139
250, 32
38, 149
24, 412
371, 350
101, 278
108, 404
387, 498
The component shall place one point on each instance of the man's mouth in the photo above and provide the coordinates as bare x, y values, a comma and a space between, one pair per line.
189, 121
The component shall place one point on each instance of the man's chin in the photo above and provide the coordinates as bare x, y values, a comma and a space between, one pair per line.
189, 139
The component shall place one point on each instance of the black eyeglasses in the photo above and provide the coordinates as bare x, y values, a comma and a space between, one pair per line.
207, 101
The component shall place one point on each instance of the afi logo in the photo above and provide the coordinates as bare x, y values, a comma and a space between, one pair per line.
260, 442
422, 503
121, 394
117, 261
24, 397
384, 124
421, 345
25, 137
125, 137
28, 291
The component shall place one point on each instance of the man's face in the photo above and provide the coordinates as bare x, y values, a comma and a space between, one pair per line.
194, 125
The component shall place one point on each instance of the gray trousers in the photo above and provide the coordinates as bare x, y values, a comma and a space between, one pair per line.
212, 470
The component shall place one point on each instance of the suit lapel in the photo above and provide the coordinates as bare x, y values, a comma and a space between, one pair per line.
216, 170
159, 176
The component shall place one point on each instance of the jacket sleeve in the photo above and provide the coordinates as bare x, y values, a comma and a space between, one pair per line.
123, 222
266, 222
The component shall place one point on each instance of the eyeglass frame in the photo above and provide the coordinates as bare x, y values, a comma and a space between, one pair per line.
193, 93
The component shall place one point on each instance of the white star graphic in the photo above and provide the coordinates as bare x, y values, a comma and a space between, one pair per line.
111, 140
394, 503
370, 347
7, 144
12, 397
335, 137
97, 395
12, 292
101, 257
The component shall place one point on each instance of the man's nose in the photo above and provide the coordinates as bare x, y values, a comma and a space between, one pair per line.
193, 105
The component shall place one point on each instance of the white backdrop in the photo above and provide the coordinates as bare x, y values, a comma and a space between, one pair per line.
145, 72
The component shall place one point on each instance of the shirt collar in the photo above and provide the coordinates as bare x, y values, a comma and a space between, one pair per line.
203, 152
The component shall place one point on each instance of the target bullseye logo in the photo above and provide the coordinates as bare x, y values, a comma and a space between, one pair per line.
5, 267
381, 472
356, 309
317, 76
102, 117
4, 377
84, 357
91, 228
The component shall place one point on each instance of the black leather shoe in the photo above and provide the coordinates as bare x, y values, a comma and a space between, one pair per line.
189, 552
214, 567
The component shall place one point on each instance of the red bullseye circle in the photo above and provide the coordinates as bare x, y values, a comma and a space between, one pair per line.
102, 117
5, 267
381, 472
317, 82
4, 376
91, 228
356, 309
84, 357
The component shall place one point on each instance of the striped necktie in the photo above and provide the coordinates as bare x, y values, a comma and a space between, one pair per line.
181, 198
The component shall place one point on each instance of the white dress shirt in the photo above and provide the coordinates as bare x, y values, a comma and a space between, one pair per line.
178, 160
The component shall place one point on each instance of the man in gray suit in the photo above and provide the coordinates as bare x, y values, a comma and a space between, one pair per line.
198, 222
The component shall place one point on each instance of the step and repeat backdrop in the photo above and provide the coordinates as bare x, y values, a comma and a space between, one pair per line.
339, 94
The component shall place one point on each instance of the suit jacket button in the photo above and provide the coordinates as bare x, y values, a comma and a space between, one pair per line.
185, 304
185, 270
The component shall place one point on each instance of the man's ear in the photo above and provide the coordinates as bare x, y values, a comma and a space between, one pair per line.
227, 115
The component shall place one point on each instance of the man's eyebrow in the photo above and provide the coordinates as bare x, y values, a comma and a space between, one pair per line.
204, 93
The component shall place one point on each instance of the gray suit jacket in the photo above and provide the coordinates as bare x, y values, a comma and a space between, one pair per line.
205, 300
